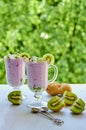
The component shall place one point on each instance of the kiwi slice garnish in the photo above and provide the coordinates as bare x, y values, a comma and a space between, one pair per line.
25, 55
40, 59
49, 58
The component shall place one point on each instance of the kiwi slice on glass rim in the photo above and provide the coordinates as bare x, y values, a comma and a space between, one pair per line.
49, 57
40, 59
25, 55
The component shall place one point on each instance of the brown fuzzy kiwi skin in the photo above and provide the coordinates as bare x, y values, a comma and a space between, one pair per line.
53, 88
56, 88
65, 87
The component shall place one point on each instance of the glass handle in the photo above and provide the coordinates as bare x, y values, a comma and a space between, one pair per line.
55, 73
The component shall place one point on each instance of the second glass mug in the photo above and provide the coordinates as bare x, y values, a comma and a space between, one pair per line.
37, 77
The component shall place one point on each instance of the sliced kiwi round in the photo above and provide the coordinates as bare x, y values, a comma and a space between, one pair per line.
49, 57
40, 59
25, 55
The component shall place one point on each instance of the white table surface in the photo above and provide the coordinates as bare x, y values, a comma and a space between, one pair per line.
19, 117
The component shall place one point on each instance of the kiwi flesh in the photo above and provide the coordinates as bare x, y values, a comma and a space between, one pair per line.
69, 97
49, 57
25, 55
78, 106
15, 97
55, 103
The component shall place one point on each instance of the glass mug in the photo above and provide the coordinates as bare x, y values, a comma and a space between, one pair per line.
37, 78
15, 71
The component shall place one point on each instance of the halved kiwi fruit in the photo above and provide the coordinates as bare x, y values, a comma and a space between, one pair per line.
69, 97
78, 106
55, 104
15, 97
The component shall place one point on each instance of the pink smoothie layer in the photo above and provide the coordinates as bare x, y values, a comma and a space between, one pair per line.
15, 70
37, 73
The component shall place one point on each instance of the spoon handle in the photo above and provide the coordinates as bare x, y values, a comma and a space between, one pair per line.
57, 121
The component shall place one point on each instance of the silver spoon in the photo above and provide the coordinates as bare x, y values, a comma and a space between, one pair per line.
58, 121
44, 111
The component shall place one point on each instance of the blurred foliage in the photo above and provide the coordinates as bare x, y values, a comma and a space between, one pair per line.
46, 26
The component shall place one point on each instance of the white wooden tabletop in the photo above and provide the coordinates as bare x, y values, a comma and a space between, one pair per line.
19, 117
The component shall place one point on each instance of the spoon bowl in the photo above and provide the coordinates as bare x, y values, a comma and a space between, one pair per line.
34, 110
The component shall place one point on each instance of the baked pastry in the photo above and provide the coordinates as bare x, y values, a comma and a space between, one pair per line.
15, 97
69, 97
55, 104
56, 88
78, 106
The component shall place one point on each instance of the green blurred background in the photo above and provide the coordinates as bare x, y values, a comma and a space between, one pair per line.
46, 26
